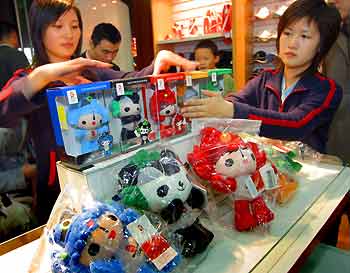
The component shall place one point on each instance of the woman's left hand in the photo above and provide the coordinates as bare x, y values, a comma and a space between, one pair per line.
166, 58
214, 106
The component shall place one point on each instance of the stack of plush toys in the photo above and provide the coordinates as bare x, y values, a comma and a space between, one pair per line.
153, 223
120, 237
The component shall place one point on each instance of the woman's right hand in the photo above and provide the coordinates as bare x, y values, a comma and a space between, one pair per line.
68, 72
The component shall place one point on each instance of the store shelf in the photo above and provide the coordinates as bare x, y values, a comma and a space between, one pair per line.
191, 39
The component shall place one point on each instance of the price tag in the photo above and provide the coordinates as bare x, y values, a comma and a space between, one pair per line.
268, 176
160, 84
144, 233
246, 187
72, 97
119, 87
142, 229
214, 77
188, 80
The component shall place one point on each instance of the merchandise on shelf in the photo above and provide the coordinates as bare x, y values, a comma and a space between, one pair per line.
96, 120
195, 81
220, 80
109, 238
157, 181
163, 108
129, 108
82, 122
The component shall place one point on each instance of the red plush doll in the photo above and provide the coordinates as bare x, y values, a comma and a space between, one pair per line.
229, 164
163, 108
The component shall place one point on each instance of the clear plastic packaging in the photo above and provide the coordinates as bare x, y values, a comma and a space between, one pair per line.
84, 235
236, 169
156, 181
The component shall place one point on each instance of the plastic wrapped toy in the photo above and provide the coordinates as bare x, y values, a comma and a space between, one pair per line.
162, 95
163, 108
231, 165
90, 122
157, 182
127, 108
108, 238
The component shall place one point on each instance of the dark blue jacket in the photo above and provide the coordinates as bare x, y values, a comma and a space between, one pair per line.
305, 115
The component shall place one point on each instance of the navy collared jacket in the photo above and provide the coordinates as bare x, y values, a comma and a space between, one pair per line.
305, 115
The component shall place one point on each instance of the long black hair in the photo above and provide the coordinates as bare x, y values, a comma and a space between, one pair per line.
42, 14
327, 19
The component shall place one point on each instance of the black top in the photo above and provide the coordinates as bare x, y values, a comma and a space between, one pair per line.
114, 67
11, 60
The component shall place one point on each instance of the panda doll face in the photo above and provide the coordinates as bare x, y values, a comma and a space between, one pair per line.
128, 107
160, 190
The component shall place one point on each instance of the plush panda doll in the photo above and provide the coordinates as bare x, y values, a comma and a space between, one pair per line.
127, 108
158, 182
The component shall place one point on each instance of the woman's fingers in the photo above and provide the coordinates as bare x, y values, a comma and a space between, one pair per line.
210, 93
165, 59
195, 115
191, 109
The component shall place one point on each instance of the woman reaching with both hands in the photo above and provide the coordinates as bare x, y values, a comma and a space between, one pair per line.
56, 27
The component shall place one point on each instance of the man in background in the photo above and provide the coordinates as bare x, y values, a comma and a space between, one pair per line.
104, 44
337, 67
10, 58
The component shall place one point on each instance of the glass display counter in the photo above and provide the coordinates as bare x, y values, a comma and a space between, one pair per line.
322, 187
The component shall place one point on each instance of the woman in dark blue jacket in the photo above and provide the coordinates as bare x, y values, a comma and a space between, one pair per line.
294, 102
56, 28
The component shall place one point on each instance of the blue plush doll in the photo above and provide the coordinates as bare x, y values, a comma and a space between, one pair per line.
98, 241
89, 122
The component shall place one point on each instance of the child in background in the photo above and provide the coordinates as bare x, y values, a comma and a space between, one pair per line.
206, 53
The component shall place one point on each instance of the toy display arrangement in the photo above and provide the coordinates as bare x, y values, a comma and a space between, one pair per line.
166, 216
97, 120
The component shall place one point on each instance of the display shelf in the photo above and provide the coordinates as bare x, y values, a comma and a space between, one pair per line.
192, 39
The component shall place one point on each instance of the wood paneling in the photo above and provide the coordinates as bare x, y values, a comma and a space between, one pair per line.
241, 26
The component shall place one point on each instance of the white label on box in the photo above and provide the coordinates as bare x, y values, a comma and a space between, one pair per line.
188, 80
246, 187
119, 87
160, 84
142, 229
72, 97
269, 177
213, 77
163, 259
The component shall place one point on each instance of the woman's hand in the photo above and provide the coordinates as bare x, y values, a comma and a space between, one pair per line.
214, 106
68, 72
165, 59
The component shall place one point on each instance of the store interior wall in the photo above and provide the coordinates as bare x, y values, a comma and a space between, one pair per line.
115, 12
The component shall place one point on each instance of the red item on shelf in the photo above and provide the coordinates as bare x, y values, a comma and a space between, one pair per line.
212, 22
193, 27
